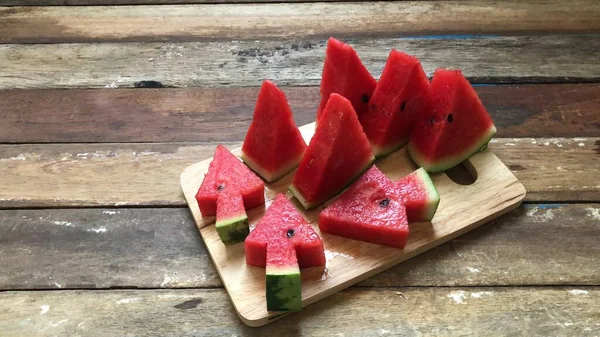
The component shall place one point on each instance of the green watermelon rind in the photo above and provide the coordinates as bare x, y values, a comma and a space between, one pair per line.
271, 176
309, 205
283, 288
381, 151
233, 230
432, 195
448, 163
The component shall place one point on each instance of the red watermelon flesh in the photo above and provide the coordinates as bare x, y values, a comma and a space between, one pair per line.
420, 196
345, 74
337, 154
456, 127
273, 145
399, 97
226, 171
370, 210
283, 242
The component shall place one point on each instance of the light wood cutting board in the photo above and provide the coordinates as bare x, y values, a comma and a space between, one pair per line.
462, 208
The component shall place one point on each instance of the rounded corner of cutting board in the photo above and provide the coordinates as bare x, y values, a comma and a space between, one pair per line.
253, 322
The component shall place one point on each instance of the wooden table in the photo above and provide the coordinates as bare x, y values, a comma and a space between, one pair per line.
95, 237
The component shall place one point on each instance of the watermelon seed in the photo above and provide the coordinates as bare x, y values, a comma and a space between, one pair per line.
220, 187
365, 98
402, 106
432, 121
290, 233
450, 118
384, 203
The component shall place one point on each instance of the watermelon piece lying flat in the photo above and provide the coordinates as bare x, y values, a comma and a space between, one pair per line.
399, 97
283, 242
370, 210
226, 181
419, 195
345, 74
456, 127
232, 221
273, 144
338, 153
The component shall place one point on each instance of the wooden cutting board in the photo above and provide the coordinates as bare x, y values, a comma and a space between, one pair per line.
462, 208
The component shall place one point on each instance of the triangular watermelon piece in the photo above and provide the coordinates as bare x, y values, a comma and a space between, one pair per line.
226, 181
370, 210
457, 125
345, 74
337, 154
420, 196
400, 96
273, 145
283, 242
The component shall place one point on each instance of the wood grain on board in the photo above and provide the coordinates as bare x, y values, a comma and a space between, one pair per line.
292, 20
109, 174
520, 59
532, 311
223, 114
101, 248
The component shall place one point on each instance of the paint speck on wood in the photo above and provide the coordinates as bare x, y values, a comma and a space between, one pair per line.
191, 304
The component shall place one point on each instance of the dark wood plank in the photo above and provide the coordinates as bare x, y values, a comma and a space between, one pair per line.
122, 174
539, 244
522, 59
293, 20
223, 114
529, 311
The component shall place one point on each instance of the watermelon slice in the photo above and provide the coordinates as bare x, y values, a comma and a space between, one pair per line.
420, 196
283, 242
232, 221
401, 95
456, 127
370, 210
273, 145
345, 74
226, 181
337, 154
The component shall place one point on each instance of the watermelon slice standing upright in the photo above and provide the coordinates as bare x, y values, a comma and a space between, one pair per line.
399, 97
273, 144
345, 74
337, 154
283, 242
420, 196
227, 182
370, 210
456, 126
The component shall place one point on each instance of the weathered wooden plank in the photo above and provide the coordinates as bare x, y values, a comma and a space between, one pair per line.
137, 2
55, 175
292, 20
223, 114
356, 312
539, 244
521, 59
